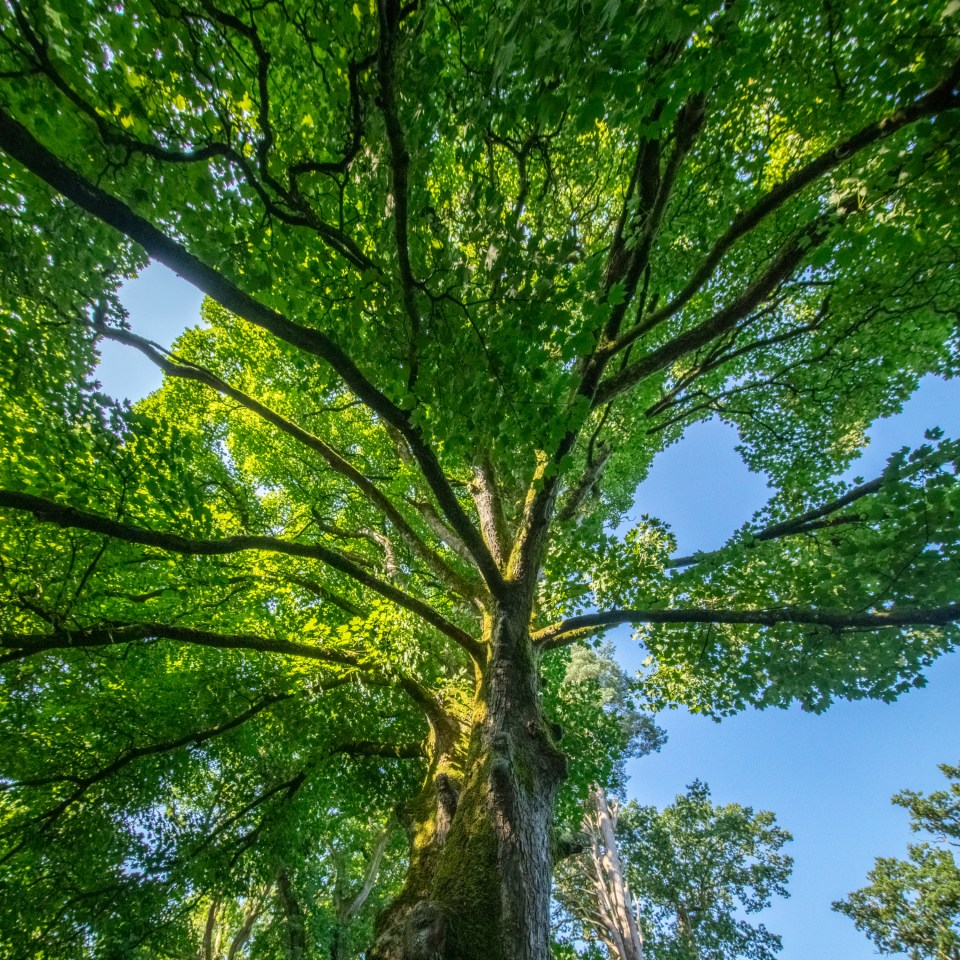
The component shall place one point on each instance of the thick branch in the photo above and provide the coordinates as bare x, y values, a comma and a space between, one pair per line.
19, 143
941, 97
70, 517
486, 497
783, 265
655, 189
19, 646
334, 460
22, 645
566, 631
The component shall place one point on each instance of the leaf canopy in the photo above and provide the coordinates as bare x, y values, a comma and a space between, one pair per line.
469, 269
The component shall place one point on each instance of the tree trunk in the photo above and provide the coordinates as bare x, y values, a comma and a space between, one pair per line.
613, 897
480, 872
295, 920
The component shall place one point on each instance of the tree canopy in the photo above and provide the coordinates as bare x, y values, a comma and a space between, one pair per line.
912, 907
469, 268
692, 870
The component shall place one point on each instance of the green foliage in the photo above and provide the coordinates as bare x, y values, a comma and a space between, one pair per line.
696, 865
693, 870
900, 541
912, 906
469, 268
597, 706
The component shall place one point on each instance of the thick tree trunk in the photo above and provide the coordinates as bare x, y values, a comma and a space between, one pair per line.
481, 869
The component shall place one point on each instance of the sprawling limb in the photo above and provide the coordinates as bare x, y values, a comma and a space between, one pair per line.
70, 517
85, 783
339, 464
18, 646
727, 318
567, 631
19, 143
486, 498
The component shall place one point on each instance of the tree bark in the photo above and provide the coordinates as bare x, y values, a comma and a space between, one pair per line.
613, 897
295, 920
480, 872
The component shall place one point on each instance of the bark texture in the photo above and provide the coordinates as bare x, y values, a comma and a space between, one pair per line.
479, 881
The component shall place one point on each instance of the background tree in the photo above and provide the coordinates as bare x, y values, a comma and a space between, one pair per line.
470, 269
322, 906
593, 902
692, 870
912, 906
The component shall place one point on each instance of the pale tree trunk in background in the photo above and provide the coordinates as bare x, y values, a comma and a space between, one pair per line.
622, 932
208, 944
347, 904
685, 927
251, 913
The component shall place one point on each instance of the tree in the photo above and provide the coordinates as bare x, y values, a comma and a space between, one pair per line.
470, 267
691, 869
322, 910
591, 892
912, 906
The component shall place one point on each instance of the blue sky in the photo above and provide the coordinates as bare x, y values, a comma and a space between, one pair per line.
828, 778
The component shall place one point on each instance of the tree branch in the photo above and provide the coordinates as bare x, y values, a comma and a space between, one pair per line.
717, 358
566, 631
194, 738
20, 144
486, 497
189, 371
804, 523
19, 646
65, 516
787, 260
22, 645
941, 97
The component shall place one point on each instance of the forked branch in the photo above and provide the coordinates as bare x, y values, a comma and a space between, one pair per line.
942, 97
